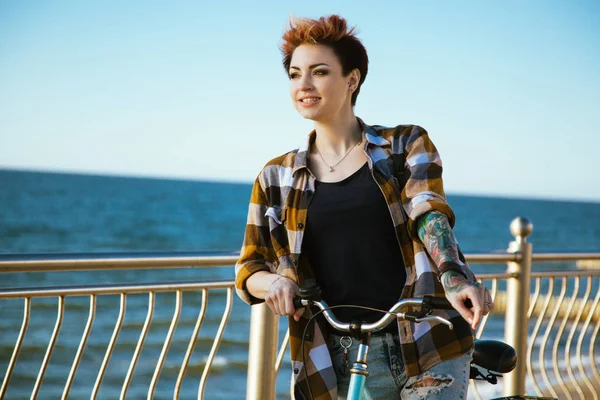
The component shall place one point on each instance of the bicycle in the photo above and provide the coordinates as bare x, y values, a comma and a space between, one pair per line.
494, 356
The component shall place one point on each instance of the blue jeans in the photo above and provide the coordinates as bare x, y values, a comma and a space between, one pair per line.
387, 379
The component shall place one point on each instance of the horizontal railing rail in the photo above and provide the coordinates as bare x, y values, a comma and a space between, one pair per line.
15, 263
52, 262
54, 291
538, 257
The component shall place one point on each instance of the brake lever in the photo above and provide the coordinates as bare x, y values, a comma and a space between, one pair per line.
436, 318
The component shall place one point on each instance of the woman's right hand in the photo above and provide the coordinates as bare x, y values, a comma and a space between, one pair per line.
280, 297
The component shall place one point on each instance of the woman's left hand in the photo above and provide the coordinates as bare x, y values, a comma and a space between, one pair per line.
459, 289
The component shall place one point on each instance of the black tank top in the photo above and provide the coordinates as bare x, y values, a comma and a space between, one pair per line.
352, 247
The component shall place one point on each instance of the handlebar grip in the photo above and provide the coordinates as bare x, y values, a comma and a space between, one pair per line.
440, 303
298, 302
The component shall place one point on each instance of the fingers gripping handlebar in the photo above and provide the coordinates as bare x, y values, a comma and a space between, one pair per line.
308, 291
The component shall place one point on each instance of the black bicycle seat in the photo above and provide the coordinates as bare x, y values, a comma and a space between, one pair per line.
494, 355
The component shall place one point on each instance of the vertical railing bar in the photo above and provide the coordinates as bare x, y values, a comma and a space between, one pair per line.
191, 345
532, 304
536, 294
536, 331
475, 390
561, 329
111, 346
80, 349
480, 328
284, 344
494, 288
473, 385
217, 341
518, 291
50, 348
166, 345
139, 345
580, 343
592, 350
17, 349
542, 360
574, 325
484, 320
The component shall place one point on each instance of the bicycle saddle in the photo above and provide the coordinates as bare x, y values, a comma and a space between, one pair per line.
494, 355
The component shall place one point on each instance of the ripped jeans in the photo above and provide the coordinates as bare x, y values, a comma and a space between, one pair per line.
387, 379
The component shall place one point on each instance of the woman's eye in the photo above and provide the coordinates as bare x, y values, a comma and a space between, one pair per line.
320, 72
294, 75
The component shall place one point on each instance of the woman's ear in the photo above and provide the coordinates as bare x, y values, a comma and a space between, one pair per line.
353, 79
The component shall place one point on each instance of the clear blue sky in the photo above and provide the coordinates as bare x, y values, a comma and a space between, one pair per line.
508, 90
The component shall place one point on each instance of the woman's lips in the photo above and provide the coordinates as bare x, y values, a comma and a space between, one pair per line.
309, 101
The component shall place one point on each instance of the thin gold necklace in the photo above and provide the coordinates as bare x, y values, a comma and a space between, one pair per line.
341, 159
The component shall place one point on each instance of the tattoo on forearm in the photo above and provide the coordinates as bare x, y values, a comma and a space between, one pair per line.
454, 281
436, 234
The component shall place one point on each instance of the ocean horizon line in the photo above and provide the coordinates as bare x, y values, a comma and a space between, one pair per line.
182, 178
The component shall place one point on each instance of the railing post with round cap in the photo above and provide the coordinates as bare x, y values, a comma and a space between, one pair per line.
517, 303
262, 353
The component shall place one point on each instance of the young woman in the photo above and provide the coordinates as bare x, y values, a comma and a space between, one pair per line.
361, 209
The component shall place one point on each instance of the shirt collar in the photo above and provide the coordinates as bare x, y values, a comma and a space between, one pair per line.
369, 134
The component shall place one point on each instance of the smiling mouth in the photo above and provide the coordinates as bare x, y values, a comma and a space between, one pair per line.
309, 100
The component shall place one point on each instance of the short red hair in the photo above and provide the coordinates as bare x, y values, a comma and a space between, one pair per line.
331, 31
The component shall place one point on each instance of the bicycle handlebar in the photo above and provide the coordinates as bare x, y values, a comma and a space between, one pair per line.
426, 304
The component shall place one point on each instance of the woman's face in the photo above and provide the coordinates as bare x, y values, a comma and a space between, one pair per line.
318, 88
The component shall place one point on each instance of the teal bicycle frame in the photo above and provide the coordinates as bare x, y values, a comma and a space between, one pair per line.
359, 372
357, 387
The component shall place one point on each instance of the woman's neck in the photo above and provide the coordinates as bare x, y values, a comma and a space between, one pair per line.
338, 135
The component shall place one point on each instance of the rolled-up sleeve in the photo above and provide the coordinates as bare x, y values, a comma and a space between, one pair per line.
423, 190
257, 252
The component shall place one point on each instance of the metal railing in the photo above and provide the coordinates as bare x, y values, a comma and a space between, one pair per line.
553, 327
552, 373
72, 263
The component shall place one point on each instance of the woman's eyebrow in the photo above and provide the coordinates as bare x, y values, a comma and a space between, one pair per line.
310, 66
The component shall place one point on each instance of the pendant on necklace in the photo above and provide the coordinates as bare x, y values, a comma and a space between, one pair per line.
330, 169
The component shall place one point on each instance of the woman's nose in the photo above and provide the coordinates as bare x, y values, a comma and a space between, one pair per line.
306, 84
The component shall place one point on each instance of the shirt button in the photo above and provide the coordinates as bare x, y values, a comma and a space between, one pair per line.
296, 370
300, 225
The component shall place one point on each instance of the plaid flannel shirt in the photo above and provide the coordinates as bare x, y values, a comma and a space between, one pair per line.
273, 241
